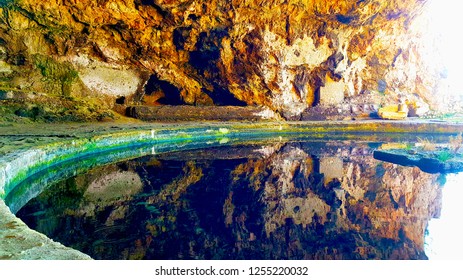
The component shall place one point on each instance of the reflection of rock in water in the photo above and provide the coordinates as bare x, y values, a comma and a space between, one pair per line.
297, 201
373, 210
114, 185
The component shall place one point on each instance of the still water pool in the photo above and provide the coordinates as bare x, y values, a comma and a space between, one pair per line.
282, 200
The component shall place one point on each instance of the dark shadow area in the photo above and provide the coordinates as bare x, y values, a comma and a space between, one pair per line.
120, 100
207, 50
223, 97
171, 93
205, 58
181, 35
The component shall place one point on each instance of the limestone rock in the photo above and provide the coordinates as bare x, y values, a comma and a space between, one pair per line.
288, 56
417, 108
332, 93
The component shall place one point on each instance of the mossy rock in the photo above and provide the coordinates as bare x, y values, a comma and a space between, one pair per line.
59, 76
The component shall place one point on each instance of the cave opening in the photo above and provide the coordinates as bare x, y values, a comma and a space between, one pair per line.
120, 100
444, 44
160, 92
223, 97
316, 100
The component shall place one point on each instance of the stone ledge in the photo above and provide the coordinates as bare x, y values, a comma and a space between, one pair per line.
200, 113
18, 241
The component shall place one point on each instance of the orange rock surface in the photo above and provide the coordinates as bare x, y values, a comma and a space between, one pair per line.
272, 53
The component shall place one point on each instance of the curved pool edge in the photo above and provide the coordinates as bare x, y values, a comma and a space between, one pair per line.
17, 241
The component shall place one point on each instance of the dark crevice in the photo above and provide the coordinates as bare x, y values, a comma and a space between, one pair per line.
316, 100
222, 97
181, 35
171, 94
153, 4
208, 50
205, 59
399, 52
333, 61
120, 100
344, 19
288, 31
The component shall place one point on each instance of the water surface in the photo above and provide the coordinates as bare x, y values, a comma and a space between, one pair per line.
282, 200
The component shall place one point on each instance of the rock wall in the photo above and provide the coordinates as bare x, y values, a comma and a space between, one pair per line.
288, 55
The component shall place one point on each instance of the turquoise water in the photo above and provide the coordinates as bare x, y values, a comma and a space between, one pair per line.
280, 200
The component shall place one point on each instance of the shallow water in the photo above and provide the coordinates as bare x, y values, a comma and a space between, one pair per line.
285, 200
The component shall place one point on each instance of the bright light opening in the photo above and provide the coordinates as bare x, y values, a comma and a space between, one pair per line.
445, 39
443, 240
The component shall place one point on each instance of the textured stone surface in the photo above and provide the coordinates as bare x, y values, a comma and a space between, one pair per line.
17, 241
201, 113
287, 55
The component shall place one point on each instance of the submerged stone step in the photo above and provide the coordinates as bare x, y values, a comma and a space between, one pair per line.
200, 113
427, 162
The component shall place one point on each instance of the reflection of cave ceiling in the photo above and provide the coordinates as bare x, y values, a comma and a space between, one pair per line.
273, 206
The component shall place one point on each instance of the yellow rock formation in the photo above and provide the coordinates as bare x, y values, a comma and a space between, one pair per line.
393, 112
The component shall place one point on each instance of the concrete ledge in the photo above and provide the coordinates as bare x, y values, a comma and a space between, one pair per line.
17, 241
201, 113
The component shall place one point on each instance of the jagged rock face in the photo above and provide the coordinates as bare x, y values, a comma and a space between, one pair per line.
287, 55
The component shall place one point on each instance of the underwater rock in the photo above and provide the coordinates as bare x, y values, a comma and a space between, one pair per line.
427, 161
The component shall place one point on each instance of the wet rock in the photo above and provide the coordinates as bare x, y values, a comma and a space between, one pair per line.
20, 242
427, 161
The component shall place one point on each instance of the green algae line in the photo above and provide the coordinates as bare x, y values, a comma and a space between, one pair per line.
15, 167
